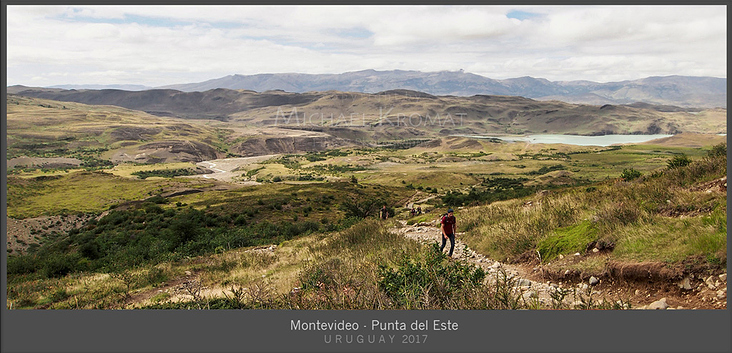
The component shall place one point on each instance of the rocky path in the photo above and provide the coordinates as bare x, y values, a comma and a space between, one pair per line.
428, 233
706, 293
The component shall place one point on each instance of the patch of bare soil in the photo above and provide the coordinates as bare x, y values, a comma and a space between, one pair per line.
57, 162
717, 185
465, 143
173, 287
133, 133
268, 145
229, 169
21, 233
690, 285
431, 144
167, 151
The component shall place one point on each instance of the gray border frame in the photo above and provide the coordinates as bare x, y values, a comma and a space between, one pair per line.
269, 331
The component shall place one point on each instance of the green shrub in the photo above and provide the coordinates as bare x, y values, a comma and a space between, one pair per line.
718, 150
59, 294
241, 220
22, 264
543, 170
59, 265
630, 174
166, 173
678, 161
363, 207
407, 284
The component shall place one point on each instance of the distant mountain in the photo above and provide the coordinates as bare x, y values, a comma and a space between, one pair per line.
123, 87
213, 104
20, 88
683, 91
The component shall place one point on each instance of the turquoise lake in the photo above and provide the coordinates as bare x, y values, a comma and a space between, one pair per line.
605, 140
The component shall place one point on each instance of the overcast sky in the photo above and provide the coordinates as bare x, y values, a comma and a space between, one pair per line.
161, 45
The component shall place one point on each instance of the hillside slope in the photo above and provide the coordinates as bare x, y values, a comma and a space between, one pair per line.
400, 114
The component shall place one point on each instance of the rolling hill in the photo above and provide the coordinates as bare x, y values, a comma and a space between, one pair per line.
399, 114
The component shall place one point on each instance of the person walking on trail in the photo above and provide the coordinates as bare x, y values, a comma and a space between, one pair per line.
448, 228
384, 213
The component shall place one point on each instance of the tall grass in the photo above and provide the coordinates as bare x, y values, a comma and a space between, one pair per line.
655, 216
507, 229
367, 267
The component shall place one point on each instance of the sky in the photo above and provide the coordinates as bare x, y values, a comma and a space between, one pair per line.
163, 45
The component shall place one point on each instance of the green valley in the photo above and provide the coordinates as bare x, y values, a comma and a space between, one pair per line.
115, 208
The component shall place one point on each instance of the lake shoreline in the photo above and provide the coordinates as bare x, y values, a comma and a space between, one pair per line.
578, 140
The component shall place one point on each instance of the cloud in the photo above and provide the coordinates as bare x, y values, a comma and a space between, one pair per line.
158, 45
636, 23
94, 31
430, 25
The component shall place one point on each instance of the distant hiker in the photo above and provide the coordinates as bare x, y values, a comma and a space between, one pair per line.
413, 212
384, 213
419, 209
448, 228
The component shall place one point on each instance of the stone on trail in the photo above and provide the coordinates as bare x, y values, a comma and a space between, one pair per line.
530, 294
594, 280
723, 277
658, 305
710, 283
685, 284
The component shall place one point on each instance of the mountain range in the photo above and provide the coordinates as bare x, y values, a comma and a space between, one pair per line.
681, 91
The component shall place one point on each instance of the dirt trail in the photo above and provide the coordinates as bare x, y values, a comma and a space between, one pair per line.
428, 233
417, 198
709, 292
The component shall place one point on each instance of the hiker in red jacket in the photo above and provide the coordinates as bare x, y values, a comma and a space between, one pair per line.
448, 228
